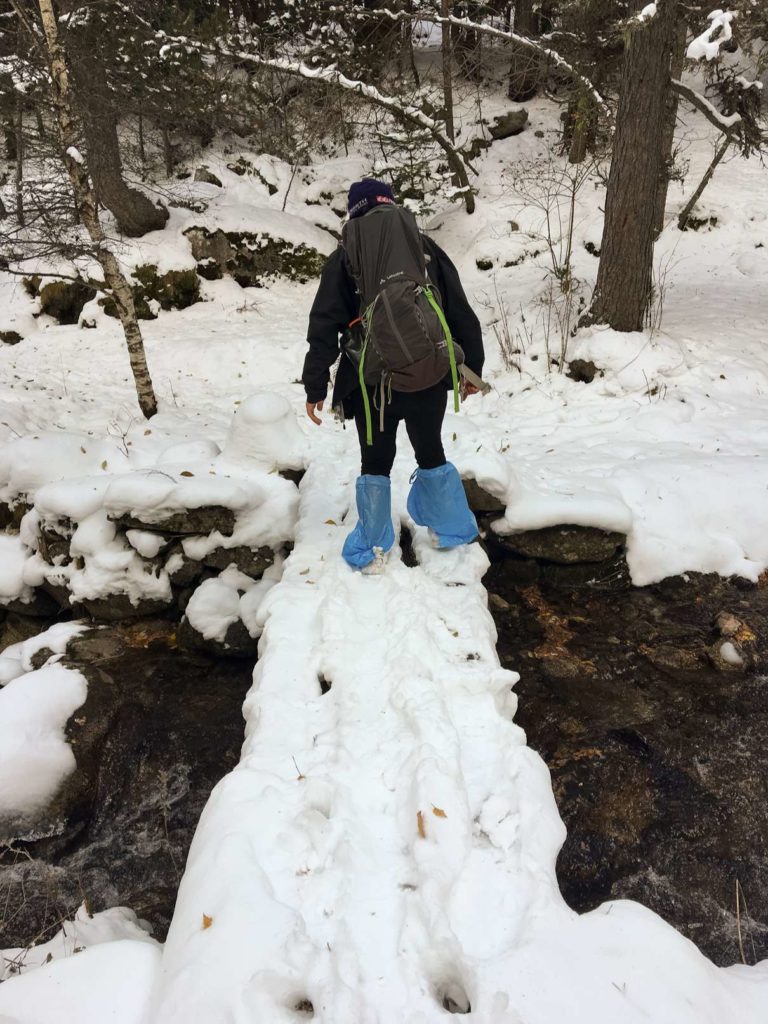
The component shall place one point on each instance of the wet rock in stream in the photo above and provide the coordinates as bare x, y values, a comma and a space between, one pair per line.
650, 707
159, 728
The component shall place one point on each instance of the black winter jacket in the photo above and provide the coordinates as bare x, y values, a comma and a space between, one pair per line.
337, 304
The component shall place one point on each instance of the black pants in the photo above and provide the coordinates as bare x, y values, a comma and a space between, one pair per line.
423, 412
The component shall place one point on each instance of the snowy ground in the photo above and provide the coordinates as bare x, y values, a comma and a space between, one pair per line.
386, 850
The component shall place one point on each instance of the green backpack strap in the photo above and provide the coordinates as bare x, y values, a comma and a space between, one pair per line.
361, 375
449, 342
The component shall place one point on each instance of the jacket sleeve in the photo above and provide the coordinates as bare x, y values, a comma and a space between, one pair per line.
461, 318
334, 307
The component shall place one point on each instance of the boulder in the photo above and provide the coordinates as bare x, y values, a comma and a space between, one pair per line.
252, 258
479, 499
118, 607
565, 545
185, 522
250, 561
509, 124
64, 300
237, 643
206, 176
583, 370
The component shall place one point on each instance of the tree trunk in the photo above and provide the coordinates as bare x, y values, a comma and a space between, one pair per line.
86, 202
167, 152
524, 70
445, 11
19, 147
685, 213
135, 213
670, 123
623, 287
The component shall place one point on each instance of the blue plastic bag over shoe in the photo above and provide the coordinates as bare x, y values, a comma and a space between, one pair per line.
374, 527
437, 500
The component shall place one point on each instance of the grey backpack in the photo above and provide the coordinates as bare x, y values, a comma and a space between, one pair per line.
405, 343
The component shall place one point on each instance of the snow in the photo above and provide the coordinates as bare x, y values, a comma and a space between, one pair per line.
75, 154
34, 755
730, 655
84, 931
12, 559
109, 982
16, 659
707, 45
389, 843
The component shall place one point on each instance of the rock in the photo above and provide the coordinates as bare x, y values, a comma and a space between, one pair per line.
10, 337
565, 545
176, 289
237, 643
117, 607
509, 124
64, 300
6, 516
497, 602
159, 728
484, 264
252, 258
184, 572
41, 606
479, 499
204, 175
251, 561
185, 522
16, 628
582, 370
294, 475
54, 547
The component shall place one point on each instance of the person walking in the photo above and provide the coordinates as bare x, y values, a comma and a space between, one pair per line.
390, 302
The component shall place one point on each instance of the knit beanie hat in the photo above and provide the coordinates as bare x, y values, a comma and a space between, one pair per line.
365, 194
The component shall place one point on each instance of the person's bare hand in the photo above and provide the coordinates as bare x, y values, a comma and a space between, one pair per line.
311, 406
468, 389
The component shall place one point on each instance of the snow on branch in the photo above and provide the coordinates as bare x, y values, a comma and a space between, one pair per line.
725, 122
331, 75
490, 30
707, 45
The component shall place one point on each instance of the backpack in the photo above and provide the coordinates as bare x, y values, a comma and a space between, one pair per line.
403, 342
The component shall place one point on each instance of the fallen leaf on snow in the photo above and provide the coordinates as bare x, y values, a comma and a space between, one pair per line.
439, 812
207, 921
420, 825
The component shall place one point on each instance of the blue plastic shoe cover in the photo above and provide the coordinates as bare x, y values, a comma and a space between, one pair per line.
437, 500
374, 527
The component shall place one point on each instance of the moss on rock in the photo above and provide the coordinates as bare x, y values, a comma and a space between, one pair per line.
64, 300
252, 258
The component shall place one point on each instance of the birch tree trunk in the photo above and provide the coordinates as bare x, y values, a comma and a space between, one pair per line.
87, 208
445, 10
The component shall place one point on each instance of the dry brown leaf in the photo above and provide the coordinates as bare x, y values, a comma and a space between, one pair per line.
304, 572
185, 472
207, 921
420, 825
147, 432
104, 464
331, 522
82, 449
439, 812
